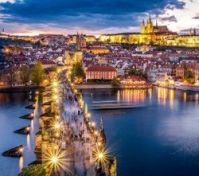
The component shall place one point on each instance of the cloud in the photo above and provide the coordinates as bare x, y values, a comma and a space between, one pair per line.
84, 14
185, 17
196, 17
169, 19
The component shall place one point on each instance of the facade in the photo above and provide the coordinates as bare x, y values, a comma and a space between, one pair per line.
180, 71
72, 58
100, 72
133, 81
196, 72
97, 50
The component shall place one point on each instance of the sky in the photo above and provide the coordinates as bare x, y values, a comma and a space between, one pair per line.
95, 16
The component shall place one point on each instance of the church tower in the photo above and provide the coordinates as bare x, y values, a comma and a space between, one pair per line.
78, 42
143, 27
150, 26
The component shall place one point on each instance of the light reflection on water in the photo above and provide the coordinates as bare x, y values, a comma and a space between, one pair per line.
28, 142
11, 108
133, 96
21, 163
154, 139
160, 139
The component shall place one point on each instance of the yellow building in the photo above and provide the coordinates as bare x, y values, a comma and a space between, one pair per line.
97, 50
73, 57
153, 34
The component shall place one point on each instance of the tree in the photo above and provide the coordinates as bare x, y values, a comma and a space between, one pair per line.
37, 73
34, 170
77, 72
189, 76
11, 76
136, 72
25, 75
115, 83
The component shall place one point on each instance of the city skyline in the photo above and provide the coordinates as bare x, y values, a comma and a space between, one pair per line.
65, 17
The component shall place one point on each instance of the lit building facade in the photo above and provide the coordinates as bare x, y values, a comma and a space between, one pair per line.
153, 34
100, 72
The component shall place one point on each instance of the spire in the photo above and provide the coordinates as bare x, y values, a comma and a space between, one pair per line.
156, 20
78, 42
150, 18
143, 22
194, 31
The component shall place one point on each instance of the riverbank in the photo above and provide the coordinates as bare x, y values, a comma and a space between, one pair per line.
10, 89
180, 87
109, 86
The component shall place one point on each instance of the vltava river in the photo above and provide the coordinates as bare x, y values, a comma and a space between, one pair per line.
160, 139
11, 108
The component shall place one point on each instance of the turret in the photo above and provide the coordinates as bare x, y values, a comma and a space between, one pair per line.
143, 27
194, 31
78, 42
150, 26
156, 21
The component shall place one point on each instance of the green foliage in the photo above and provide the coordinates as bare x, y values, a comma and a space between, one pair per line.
37, 74
115, 83
34, 170
189, 76
136, 72
25, 74
77, 71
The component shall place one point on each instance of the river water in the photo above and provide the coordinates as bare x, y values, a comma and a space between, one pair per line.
11, 108
159, 139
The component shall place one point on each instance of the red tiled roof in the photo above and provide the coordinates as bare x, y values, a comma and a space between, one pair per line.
101, 68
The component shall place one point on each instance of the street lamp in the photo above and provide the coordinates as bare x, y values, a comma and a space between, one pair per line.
101, 156
56, 160
57, 125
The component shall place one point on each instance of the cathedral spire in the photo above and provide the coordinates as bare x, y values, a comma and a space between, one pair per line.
150, 19
78, 42
156, 21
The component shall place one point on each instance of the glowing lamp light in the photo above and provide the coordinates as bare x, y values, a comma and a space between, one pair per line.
55, 84
55, 97
57, 125
93, 124
21, 149
55, 90
57, 134
54, 159
57, 117
100, 156
99, 144
28, 129
96, 133
88, 115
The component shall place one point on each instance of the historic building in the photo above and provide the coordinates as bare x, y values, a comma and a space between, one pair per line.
180, 71
154, 34
101, 72
149, 28
73, 57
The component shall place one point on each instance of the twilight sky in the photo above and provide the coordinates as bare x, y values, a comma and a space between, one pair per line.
95, 16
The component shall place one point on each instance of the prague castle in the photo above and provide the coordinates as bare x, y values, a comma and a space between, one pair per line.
154, 34
149, 28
